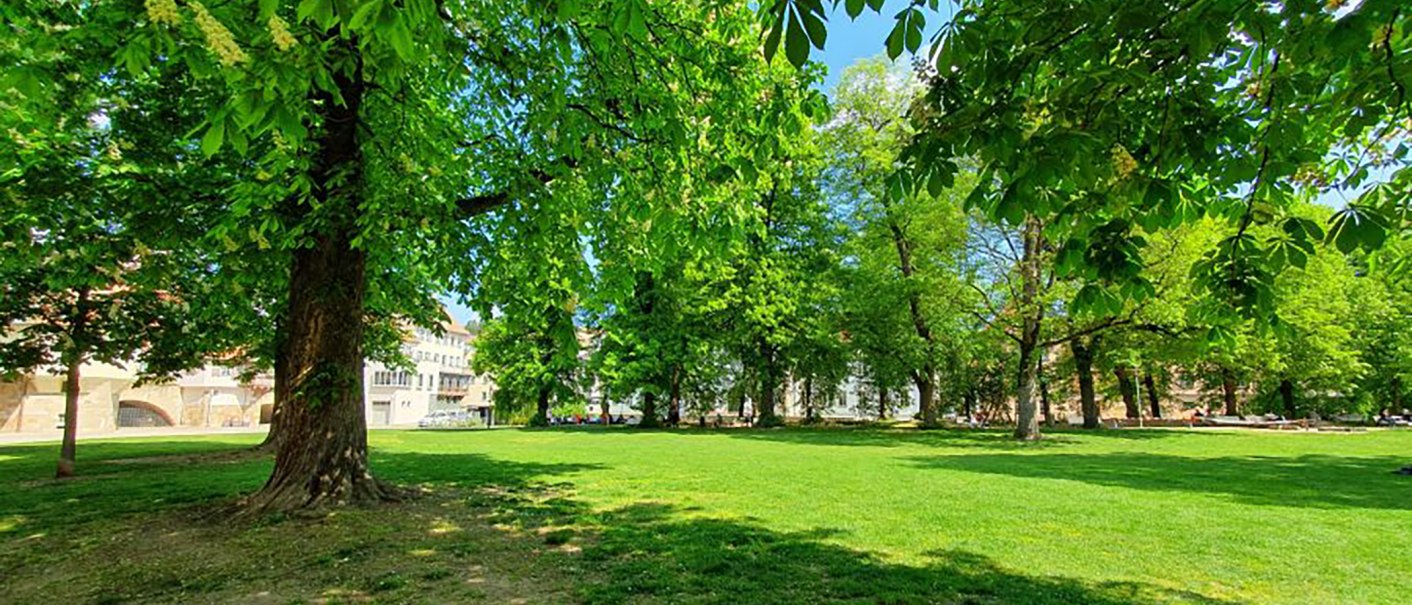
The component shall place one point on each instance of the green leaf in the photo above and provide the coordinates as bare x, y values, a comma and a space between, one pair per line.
816, 29
215, 135
796, 44
896, 39
854, 8
1357, 227
772, 42
368, 10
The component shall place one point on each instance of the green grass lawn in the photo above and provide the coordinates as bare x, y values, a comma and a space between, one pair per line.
783, 516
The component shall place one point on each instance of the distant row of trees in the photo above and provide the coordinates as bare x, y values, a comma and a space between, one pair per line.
845, 275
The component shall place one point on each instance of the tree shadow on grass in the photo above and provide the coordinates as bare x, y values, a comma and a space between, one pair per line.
648, 553
120, 479
1310, 481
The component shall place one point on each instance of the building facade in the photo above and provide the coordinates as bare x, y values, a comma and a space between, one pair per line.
110, 400
215, 396
441, 379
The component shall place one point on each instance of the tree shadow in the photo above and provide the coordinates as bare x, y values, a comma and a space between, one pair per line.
120, 479
652, 553
1310, 481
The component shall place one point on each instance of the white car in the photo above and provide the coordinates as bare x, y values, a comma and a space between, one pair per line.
442, 418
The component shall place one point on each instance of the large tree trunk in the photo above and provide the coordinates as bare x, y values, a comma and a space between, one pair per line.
649, 411
1026, 418
322, 455
78, 327
882, 403
1228, 392
968, 402
1154, 399
1287, 397
1128, 390
926, 396
674, 401
1083, 363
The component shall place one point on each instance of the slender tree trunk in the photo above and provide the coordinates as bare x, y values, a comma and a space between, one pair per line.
1026, 419
1128, 390
1287, 396
968, 402
1228, 392
322, 455
1395, 385
925, 376
541, 406
78, 334
769, 381
1154, 400
674, 403
1083, 363
882, 403
607, 415
71, 394
649, 411
809, 399
1044, 406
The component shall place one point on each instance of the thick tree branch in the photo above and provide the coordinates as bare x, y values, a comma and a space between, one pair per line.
476, 205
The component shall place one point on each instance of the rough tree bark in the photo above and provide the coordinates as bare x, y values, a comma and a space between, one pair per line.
649, 411
926, 401
1228, 392
1083, 363
1027, 420
1128, 390
1154, 400
78, 327
769, 381
322, 457
541, 406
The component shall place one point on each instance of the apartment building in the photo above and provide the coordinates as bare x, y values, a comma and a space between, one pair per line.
441, 379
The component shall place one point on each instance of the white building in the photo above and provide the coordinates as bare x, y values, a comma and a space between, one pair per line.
440, 380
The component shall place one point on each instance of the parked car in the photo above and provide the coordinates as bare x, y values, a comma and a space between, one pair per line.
443, 418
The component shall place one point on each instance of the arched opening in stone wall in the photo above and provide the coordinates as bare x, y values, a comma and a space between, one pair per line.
132, 414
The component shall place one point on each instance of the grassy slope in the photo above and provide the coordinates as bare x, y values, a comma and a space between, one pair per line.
785, 516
